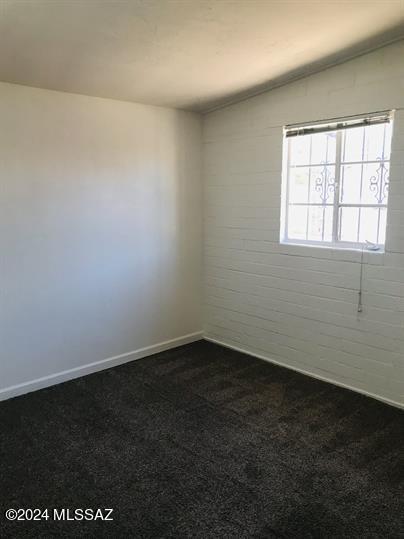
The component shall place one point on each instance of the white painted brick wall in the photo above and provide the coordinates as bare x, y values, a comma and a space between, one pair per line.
292, 304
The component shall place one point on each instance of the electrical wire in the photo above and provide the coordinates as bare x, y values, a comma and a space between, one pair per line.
360, 283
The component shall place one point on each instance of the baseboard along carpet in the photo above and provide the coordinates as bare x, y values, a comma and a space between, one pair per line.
204, 442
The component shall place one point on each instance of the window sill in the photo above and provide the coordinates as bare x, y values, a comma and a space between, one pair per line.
357, 248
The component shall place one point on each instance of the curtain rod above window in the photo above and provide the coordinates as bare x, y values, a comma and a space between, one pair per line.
333, 124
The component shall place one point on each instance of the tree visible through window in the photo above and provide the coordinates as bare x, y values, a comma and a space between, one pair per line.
336, 182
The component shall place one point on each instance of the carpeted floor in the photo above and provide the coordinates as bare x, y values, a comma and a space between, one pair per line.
203, 442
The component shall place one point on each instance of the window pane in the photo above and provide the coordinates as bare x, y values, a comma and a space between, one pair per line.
369, 218
350, 188
320, 223
315, 223
323, 147
299, 148
297, 222
352, 144
348, 224
322, 185
387, 140
328, 218
374, 142
382, 226
375, 183
299, 184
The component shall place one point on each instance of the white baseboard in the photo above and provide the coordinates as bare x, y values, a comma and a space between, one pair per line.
76, 372
83, 370
307, 373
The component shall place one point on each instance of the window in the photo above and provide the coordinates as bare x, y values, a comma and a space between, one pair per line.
336, 182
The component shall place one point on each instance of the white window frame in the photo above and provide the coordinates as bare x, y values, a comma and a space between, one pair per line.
337, 125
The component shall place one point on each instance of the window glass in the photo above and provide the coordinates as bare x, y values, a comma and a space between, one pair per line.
337, 183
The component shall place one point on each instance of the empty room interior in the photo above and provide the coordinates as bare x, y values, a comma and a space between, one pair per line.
202, 269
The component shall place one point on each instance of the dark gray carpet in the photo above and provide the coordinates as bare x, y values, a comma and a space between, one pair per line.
203, 442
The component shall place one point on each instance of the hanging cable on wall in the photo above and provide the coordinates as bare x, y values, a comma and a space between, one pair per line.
360, 283
370, 247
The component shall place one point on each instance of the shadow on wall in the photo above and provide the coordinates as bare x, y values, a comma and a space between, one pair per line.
100, 229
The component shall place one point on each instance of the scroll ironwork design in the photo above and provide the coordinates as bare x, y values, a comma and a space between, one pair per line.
325, 184
379, 183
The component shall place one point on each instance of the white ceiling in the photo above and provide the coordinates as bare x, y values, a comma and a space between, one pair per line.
192, 54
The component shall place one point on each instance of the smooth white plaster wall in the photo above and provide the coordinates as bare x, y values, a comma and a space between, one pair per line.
298, 305
100, 230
